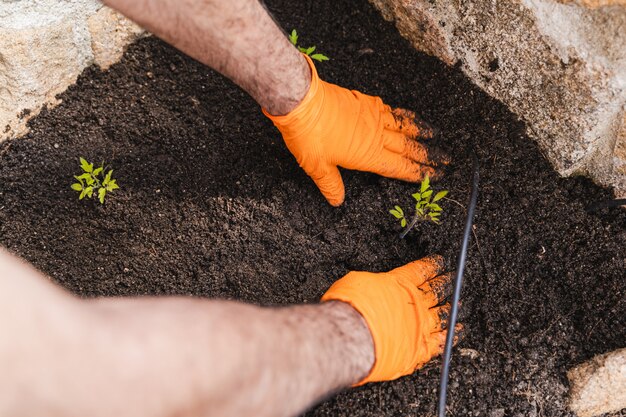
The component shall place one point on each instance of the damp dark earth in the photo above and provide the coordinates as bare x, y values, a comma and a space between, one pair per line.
212, 204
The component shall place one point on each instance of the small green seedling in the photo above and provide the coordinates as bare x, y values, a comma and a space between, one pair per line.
318, 57
93, 181
426, 208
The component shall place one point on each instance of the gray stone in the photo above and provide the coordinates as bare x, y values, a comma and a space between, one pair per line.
560, 67
45, 45
599, 385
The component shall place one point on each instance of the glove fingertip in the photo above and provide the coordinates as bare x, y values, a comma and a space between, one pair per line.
331, 186
336, 200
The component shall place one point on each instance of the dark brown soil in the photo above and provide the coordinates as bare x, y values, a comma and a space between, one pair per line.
213, 205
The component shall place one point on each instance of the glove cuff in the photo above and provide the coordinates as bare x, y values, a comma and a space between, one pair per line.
387, 327
306, 113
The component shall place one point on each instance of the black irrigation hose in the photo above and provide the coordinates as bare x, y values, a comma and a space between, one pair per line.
454, 303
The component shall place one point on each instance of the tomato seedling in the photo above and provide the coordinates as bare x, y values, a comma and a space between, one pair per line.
426, 207
293, 37
93, 181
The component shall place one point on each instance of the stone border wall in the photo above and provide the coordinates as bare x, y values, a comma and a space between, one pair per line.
560, 67
45, 45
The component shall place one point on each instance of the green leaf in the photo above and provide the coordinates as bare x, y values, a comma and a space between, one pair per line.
101, 193
310, 50
320, 57
97, 171
399, 210
89, 180
112, 186
77, 187
434, 217
403, 222
89, 191
440, 195
84, 176
396, 214
435, 207
417, 196
86, 166
426, 195
107, 178
301, 49
293, 37
425, 184
82, 195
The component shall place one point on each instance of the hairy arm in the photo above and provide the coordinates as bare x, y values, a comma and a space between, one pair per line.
63, 356
237, 38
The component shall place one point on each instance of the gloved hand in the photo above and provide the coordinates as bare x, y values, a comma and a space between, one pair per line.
333, 126
401, 309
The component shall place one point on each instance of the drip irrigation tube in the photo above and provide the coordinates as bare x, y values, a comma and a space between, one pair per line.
456, 295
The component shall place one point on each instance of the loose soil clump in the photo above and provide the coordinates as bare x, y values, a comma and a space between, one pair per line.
212, 204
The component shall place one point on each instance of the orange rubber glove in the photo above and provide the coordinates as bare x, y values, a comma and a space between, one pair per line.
401, 309
333, 126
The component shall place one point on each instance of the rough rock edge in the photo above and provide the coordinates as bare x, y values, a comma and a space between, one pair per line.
593, 151
108, 34
598, 386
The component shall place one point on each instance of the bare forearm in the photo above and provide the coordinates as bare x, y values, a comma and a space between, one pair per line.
226, 358
168, 356
238, 38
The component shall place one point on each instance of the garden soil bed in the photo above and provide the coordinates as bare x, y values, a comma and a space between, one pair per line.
213, 205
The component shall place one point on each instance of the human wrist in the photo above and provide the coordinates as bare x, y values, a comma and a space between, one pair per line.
285, 100
302, 115
358, 356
